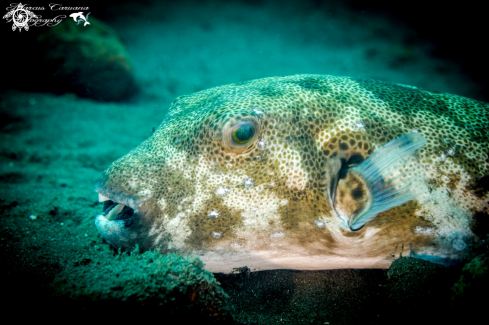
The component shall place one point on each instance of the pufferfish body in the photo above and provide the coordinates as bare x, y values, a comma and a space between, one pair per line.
304, 172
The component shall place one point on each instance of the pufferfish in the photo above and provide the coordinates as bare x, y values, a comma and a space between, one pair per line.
304, 172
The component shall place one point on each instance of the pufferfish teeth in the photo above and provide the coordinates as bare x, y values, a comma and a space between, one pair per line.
112, 213
102, 198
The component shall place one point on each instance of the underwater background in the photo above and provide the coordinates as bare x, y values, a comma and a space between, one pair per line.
75, 98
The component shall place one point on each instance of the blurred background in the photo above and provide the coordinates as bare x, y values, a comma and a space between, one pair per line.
180, 47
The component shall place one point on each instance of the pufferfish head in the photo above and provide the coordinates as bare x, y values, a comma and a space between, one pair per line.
242, 164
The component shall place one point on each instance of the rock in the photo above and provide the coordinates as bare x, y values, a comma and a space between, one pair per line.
418, 287
144, 286
90, 61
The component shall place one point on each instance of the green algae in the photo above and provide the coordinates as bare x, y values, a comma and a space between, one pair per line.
473, 282
141, 277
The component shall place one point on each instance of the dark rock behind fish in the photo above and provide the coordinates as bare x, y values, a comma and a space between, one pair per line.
90, 61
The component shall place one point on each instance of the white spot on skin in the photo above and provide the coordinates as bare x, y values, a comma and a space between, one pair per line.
319, 223
451, 152
248, 182
216, 234
258, 111
261, 144
213, 214
222, 191
359, 126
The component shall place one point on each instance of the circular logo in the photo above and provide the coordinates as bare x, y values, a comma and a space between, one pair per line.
20, 17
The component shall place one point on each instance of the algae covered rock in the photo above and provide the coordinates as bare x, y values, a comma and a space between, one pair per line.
474, 277
469, 293
149, 283
90, 61
420, 288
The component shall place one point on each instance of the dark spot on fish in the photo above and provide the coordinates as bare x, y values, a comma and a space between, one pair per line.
270, 91
357, 193
312, 84
344, 146
354, 159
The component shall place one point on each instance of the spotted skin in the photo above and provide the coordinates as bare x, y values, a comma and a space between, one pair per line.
308, 128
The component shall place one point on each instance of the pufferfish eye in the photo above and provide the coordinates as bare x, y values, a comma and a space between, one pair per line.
240, 134
243, 133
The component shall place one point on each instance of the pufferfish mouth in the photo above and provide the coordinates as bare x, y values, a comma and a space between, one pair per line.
114, 211
117, 214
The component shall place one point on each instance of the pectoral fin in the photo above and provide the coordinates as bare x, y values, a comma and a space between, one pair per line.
376, 185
